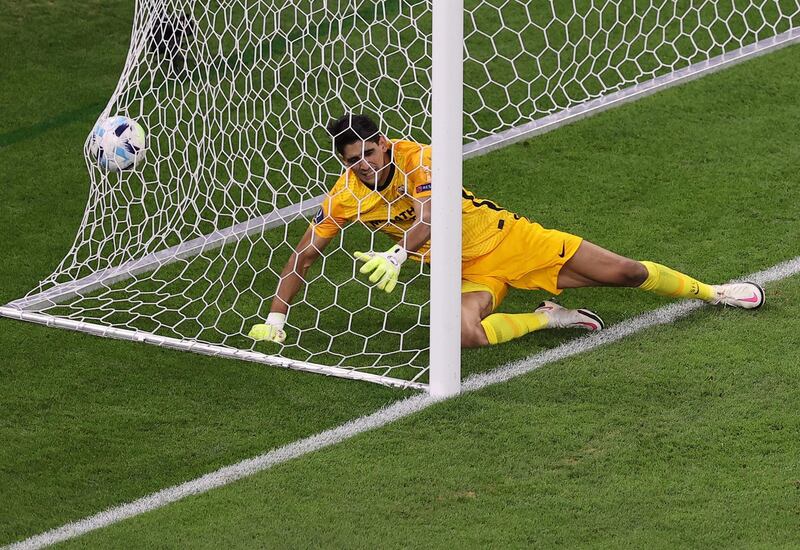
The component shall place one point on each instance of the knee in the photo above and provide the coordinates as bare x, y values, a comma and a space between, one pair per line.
473, 335
631, 273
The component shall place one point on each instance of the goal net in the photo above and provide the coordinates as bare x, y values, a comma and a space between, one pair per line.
186, 250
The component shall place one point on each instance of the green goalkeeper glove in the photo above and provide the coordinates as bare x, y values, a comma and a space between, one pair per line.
384, 266
271, 330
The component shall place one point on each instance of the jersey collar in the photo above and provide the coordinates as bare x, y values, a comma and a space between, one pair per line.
390, 177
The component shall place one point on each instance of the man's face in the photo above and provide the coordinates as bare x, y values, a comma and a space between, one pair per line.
368, 160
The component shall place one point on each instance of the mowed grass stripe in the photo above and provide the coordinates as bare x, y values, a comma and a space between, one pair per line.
62, 119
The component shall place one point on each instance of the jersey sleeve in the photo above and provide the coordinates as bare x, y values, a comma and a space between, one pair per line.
419, 179
326, 222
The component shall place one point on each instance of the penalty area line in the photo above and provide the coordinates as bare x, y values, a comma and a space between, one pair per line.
386, 415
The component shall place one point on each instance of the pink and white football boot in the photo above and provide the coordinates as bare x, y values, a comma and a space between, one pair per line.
561, 317
744, 295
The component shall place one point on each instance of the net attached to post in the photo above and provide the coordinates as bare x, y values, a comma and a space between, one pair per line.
186, 251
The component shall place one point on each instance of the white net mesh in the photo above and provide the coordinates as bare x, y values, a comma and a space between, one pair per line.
235, 95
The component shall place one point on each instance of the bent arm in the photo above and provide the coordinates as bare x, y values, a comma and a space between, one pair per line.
294, 272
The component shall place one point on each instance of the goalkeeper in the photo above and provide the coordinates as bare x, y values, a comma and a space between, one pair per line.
386, 186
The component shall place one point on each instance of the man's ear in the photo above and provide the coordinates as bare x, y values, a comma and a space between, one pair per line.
384, 144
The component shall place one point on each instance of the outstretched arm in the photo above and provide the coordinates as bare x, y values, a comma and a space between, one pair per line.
294, 272
292, 278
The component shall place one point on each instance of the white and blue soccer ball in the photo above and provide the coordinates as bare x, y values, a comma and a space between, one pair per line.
118, 143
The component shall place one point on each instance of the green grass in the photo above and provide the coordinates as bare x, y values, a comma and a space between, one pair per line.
684, 435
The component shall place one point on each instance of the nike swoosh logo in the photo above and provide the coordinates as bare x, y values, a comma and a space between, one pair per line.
563, 250
753, 299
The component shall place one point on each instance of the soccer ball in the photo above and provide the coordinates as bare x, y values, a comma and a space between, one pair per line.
118, 143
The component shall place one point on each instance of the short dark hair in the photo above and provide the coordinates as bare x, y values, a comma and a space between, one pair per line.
351, 128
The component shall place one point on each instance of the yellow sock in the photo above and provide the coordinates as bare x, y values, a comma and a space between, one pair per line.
668, 282
502, 327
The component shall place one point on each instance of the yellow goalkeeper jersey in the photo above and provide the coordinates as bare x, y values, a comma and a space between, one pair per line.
390, 209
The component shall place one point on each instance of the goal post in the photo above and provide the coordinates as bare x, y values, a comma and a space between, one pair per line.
187, 251
447, 86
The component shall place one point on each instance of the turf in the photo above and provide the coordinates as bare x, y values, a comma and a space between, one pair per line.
702, 178
654, 442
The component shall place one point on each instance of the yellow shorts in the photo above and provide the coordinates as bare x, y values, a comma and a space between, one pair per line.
529, 257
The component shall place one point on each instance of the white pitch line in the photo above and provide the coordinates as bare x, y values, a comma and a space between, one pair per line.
382, 417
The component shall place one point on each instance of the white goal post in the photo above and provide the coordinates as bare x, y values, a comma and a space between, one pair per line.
448, 90
186, 251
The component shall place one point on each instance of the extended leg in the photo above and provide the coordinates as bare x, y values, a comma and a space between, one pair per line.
595, 266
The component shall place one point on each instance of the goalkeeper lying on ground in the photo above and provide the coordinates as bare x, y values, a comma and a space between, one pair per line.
387, 186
